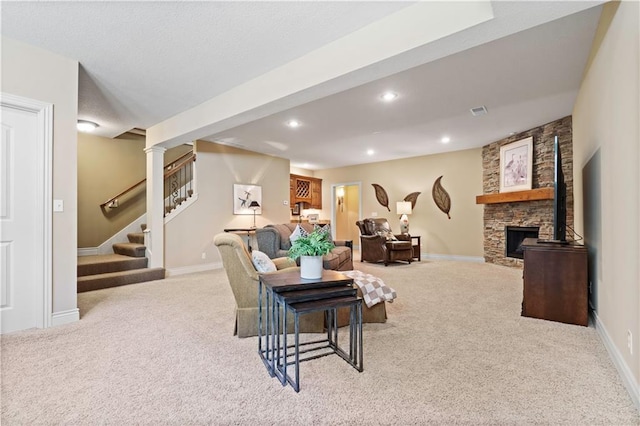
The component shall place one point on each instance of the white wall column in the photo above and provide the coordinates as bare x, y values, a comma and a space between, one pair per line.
154, 235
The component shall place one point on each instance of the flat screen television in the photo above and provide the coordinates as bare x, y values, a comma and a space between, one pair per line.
559, 197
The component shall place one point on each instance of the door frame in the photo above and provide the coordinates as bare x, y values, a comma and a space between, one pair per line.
334, 187
44, 158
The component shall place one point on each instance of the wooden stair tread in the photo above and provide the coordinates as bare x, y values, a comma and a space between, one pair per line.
136, 237
116, 279
130, 249
99, 264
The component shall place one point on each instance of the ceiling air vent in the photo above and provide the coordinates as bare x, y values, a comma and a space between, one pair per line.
481, 110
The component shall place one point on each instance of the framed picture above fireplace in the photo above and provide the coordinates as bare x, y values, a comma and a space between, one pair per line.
516, 165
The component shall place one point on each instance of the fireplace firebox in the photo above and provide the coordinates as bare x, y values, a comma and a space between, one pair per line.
514, 236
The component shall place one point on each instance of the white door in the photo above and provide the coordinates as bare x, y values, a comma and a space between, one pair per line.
21, 221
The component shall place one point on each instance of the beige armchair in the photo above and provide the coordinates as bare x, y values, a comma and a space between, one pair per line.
243, 279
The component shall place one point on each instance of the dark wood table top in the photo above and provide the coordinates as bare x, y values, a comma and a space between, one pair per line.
289, 281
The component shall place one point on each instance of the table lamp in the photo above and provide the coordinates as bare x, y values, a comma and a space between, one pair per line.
403, 208
255, 206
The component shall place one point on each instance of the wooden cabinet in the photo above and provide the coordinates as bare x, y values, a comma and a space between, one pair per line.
316, 194
307, 190
555, 282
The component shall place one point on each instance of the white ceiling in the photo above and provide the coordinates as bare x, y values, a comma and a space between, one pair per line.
144, 62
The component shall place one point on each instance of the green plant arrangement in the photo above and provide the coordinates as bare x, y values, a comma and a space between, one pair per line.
314, 244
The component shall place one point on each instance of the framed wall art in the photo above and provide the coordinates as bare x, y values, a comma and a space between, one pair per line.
516, 165
243, 195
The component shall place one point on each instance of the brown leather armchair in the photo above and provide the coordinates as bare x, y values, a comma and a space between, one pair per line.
379, 244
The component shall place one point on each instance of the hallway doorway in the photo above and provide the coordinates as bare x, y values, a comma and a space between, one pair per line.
345, 211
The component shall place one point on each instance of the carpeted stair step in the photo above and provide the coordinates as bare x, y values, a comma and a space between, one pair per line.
100, 264
130, 249
115, 279
136, 237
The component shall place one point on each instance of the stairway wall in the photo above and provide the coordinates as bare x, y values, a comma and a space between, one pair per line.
106, 167
218, 167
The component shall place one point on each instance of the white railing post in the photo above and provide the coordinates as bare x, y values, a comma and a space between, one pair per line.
154, 237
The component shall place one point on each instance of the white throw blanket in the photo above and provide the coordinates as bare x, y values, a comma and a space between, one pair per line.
373, 289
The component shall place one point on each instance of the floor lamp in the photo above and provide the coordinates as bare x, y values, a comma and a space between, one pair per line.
255, 206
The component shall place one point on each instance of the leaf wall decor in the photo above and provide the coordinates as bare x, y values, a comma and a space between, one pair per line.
412, 198
441, 197
381, 195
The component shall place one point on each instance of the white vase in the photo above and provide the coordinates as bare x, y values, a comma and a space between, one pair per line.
311, 267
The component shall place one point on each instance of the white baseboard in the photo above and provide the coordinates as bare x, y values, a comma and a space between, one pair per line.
618, 361
65, 317
454, 257
193, 268
87, 251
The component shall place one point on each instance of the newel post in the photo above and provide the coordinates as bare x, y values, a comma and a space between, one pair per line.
154, 234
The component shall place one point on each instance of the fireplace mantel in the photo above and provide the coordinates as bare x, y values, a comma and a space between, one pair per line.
516, 196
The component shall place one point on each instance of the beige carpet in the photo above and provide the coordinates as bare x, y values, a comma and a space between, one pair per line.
455, 350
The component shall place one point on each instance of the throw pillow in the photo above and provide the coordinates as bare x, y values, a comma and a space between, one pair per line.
387, 234
298, 232
261, 262
323, 228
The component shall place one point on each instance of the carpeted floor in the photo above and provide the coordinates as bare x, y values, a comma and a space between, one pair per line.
455, 350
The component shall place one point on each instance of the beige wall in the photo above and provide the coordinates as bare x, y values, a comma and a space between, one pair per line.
106, 167
218, 167
37, 74
607, 183
462, 171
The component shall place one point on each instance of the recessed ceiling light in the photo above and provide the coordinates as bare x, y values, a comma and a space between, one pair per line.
293, 123
370, 152
445, 139
86, 126
388, 96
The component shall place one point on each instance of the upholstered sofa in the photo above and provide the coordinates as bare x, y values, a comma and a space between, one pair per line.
274, 241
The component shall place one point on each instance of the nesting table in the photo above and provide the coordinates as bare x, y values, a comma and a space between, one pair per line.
287, 292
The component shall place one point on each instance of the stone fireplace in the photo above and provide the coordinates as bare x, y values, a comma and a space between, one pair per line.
514, 236
527, 214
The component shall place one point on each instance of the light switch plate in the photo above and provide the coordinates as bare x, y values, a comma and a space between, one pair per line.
58, 205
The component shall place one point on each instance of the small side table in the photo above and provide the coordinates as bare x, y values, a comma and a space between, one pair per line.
248, 232
286, 292
415, 243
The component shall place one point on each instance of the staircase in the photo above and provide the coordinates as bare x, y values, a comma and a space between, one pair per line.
128, 265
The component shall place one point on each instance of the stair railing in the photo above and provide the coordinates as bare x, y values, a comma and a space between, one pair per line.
178, 183
178, 175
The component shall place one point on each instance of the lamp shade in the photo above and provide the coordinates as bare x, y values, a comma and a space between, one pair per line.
403, 207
